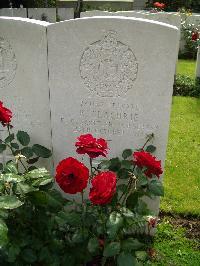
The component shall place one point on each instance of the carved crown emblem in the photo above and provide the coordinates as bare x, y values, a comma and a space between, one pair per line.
108, 67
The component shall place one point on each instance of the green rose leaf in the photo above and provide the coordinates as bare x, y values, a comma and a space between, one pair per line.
4, 214
123, 173
13, 252
14, 145
41, 151
93, 245
27, 152
32, 161
42, 181
44, 199
142, 180
132, 200
151, 148
156, 188
111, 249
10, 138
127, 164
105, 164
142, 208
141, 255
115, 164
127, 153
37, 173
126, 259
12, 178
131, 244
23, 188
71, 218
23, 138
11, 168
3, 234
2, 147
9, 202
122, 187
114, 223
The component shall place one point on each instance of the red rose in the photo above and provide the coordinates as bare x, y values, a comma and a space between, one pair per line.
145, 159
72, 175
103, 188
5, 115
159, 5
195, 36
87, 144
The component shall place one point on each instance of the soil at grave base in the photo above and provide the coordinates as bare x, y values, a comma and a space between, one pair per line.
191, 224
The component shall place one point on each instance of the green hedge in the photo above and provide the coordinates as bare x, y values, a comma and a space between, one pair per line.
186, 86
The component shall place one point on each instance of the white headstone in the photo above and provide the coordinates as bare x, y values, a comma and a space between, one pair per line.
65, 13
24, 76
44, 14
112, 77
198, 64
13, 12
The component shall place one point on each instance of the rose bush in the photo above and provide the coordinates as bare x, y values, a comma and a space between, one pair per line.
109, 223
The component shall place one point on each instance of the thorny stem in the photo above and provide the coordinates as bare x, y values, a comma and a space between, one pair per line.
83, 213
149, 138
91, 169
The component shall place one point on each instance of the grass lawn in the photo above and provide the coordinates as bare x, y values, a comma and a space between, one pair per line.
182, 168
186, 67
172, 247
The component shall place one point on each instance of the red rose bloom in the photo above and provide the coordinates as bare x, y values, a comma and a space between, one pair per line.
72, 175
103, 188
159, 5
195, 36
5, 115
145, 159
87, 144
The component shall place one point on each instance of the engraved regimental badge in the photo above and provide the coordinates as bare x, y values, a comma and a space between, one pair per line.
8, 63
108, 67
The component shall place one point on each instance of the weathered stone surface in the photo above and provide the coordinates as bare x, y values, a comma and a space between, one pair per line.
13, 12
112, 77
65, 13
44, 14
24, 76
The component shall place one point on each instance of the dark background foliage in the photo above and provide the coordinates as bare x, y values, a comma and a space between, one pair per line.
27, 3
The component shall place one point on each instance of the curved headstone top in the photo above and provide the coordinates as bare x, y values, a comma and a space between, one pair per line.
33, 21
169, 18
24, 77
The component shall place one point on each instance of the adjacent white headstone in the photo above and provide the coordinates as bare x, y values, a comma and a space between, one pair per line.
65, 13
44, 14
198, 64
169, 18
13, 12
24, 76
112, 77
